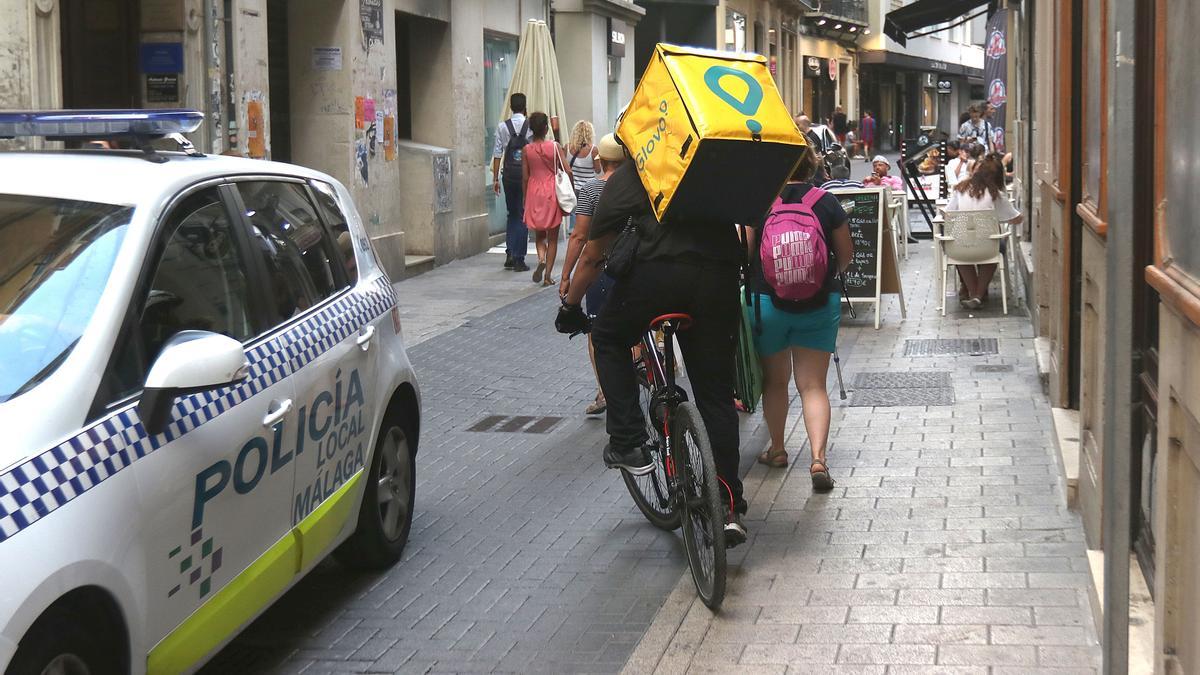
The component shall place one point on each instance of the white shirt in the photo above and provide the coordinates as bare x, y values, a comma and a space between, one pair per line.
502, 134
961, 201
957, 169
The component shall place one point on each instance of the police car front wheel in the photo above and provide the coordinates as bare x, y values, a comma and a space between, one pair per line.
59, 644
385, 516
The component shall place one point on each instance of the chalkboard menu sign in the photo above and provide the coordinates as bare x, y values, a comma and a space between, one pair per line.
863, 207
875, 268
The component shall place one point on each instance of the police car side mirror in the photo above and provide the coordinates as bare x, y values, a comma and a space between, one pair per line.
191, 361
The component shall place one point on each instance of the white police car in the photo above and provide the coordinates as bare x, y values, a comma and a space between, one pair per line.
203, 391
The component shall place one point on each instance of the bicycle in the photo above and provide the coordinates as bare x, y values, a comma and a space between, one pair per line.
681, 490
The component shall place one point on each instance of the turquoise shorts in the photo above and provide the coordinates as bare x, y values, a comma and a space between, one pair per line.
816, 328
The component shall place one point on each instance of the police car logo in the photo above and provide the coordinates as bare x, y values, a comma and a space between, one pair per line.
996, 45
997, 95
202, 561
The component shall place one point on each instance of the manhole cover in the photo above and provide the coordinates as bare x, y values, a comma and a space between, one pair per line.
951, 347
893, 380
891, 389
992, 368
505, 424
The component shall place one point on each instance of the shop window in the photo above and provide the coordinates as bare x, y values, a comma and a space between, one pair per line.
1181, 248
735, 31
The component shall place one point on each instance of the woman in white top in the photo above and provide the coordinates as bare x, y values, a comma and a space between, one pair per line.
983, 189
582, 159
959, 167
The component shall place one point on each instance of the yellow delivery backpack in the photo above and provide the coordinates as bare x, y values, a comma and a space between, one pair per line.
710, 135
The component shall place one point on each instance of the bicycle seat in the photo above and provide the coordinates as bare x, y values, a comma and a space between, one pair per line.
682, 321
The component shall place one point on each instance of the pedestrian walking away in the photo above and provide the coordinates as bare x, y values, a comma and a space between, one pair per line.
610, 156
796, 315
584, 161
511, 137
687, 268
840, 125
983, 189
866, 130
543, 215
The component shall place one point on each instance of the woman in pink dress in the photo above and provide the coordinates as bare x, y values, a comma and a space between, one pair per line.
542, 213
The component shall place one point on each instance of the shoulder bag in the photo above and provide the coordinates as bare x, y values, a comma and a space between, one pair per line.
563, 189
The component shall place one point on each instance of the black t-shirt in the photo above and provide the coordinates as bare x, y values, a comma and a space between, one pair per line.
840, 125
696, 241
830, 213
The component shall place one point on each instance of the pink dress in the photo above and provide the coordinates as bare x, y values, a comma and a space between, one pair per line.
541, 202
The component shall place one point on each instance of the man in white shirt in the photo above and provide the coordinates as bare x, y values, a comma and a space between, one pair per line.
511, 136
972, 130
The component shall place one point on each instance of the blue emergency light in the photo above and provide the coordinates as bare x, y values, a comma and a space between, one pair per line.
81, 124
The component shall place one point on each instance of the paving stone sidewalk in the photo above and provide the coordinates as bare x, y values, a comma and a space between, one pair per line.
946, 546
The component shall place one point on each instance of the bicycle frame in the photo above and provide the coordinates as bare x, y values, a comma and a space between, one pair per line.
665, 395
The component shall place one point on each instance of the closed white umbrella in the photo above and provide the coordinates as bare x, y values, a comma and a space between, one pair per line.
536, 73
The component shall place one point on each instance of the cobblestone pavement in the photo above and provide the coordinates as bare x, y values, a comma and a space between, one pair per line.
525, 553
946, 546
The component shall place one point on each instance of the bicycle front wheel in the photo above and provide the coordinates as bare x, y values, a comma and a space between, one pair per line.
703, 509
649, 491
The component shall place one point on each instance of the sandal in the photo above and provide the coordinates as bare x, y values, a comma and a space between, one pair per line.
548, 281
822, 481
597, 407
777, 460
537, 272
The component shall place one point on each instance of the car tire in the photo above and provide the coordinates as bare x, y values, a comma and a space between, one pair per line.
58, 644
385, 516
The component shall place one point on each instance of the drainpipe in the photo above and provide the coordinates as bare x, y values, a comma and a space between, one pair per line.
1118, 347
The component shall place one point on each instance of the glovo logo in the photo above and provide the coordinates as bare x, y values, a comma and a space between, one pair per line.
651, 143
748, 105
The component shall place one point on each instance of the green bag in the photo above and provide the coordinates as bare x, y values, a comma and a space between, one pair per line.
747, 368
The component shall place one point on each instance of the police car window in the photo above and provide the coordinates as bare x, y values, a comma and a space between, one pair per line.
57, 258
199, 282
287, 233
338, 225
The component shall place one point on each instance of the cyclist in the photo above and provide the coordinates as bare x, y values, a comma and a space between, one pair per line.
687, 267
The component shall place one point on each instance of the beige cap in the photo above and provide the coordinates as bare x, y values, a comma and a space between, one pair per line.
610, 149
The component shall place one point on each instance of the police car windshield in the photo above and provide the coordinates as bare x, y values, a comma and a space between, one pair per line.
57, 257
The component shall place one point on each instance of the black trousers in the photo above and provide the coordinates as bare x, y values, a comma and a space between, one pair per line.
709, 293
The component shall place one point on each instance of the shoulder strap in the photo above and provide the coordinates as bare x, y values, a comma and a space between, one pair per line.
512, 131
813, 196
524, 127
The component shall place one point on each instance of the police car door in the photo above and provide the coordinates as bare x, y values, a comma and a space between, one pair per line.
216, 483
330, 353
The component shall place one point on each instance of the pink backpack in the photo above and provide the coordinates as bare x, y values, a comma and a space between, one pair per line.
794, 254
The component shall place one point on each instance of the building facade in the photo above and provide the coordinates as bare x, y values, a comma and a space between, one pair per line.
923, 85
1115, 285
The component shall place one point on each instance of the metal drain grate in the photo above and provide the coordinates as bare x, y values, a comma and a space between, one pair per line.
951, 347
992, 368
891, 389
505, 424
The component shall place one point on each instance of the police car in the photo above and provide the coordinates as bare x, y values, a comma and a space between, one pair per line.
203, 391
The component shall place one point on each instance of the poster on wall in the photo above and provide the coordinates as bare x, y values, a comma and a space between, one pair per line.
370, 13
995, 75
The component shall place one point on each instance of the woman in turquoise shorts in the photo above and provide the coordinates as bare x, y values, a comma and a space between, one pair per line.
795, 339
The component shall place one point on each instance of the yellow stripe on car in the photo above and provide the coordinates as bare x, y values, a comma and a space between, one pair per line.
260, 583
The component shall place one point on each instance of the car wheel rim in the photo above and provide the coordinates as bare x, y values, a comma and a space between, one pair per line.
395, 480
66, 664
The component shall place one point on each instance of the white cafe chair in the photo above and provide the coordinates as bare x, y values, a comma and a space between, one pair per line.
973, 238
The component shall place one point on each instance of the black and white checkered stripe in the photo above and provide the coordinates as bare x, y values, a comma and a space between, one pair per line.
35, 488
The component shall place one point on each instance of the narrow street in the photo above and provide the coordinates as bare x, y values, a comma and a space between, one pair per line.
946, 541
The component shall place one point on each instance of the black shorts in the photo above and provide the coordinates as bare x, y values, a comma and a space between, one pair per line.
597, 295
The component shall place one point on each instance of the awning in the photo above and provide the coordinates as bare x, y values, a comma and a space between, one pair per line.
924, 13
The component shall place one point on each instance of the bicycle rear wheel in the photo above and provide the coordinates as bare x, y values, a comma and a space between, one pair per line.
703, 510
649, 491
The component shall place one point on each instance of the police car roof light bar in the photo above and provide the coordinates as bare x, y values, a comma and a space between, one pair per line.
84, 124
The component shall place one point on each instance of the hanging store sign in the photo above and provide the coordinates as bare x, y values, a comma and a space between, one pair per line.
944, 86
616, 38
995, 75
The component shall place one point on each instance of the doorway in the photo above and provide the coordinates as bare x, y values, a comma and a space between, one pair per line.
99, 54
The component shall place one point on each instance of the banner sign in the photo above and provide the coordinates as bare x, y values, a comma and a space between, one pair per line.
995, 75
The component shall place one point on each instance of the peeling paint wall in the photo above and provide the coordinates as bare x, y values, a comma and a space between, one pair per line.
250, 79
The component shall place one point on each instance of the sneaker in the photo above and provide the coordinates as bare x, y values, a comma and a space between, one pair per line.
735, 531
520, 266
508, 262
634, 460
